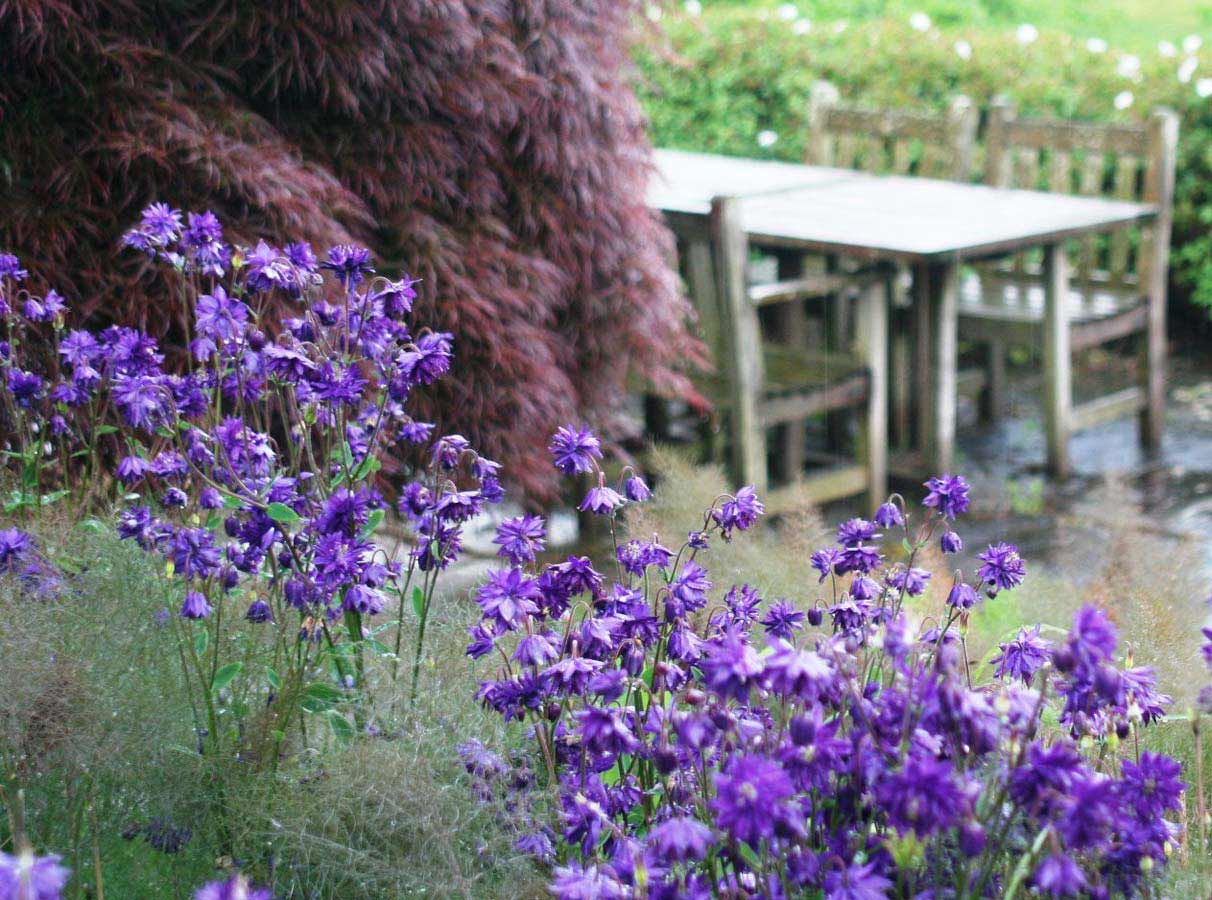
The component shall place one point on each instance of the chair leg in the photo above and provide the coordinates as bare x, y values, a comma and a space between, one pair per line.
792, 329
1058, 386
871, 342
993, 398
1153, 371
837, 323
900, 388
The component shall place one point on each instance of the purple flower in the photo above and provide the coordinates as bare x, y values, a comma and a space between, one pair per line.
605, 731
962, 596
601, 501
782, 620
797, 673
29, 877
1059, 876
351, 264
636, 489
195, 606
824, 561
259, 612
752, 800
235, 888
951, 542
574, 882
574, 449
732, 667
132, 469
856, 882
1023, 656
924, 796
508, 596
889, 516
738, 513
912, 581
26, 387
10, 267
856, 531
948, 494
220, 317
1154, 786
680, 839
194, 553
1003, 568
1206, 648
14, 545
158, 227
521, 538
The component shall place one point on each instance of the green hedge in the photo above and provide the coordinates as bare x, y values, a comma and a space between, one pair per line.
715, 82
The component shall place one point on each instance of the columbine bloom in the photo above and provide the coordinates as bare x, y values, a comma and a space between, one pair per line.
29, 877
520, 538
680, 839
235, 888
739, 513
601, 501
1003, 568
951, 542
1059, 876
962, 596
574, 449
195, 606
948, 494
889, 516
1023, 656
14, 545
636, 489
752, 799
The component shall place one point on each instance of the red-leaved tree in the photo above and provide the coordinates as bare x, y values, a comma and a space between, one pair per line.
492, 147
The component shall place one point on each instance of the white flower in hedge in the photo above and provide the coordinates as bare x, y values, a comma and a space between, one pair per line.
1128, 66
919, 21
1096, 45
694, 8
802, 26
1027, 33
788, 12
1187, 69
654, 13
1203, 87
1166, 49
1123, 99
767, 138
840, 26
963, 50
1192, 43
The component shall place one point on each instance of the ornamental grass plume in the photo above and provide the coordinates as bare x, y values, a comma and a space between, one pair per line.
703, 744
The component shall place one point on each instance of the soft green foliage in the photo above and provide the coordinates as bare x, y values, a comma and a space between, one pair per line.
95, 729
714, 82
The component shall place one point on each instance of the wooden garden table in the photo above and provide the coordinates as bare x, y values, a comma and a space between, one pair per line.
933, 226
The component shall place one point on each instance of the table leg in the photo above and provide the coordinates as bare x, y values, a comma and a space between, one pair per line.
920, 367
943, 396
1058, 388
871, 340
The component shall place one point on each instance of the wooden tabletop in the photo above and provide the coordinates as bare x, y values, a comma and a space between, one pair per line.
886, 217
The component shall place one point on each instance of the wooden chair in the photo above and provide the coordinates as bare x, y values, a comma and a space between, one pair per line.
1118, 283
891, 142
762, 385
894, 142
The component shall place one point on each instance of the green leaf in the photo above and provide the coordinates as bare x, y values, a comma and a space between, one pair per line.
201, 641
230, 502
280, 512
275, 680
373, 523
226, 675
340, 726
104, 429
53, 497
319, 690
367, 467
418, 602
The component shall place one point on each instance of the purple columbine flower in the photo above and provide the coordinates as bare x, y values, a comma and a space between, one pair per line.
1022, 657
948, 494
951, 542
508, 596
680, 840
601, 501
857, 881
962, 596
856, 531
350, 263
889, 516
912, 581
26, 387
752, 799
259, 612
636, 489
10, 267
521, 538
195, 606
782, 620
235, 888
577, 882
1059, 876
739, 513
29, 877
825, 562
1003, 568
14, 545
574, 449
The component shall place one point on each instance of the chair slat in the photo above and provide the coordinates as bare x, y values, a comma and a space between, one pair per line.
1126, 172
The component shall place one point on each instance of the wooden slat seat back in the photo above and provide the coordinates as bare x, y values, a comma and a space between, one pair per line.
1121, 161
891, 142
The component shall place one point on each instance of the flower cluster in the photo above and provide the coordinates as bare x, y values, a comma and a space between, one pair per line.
707, 743
254, 467
29, 877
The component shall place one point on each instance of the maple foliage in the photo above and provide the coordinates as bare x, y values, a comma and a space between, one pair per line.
494, 148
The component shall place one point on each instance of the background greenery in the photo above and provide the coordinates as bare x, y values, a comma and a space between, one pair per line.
715, 78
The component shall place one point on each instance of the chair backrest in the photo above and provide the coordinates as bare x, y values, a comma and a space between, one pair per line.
891, 142
1122, 161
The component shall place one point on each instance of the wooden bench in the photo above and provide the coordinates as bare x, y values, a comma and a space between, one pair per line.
1118, 281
